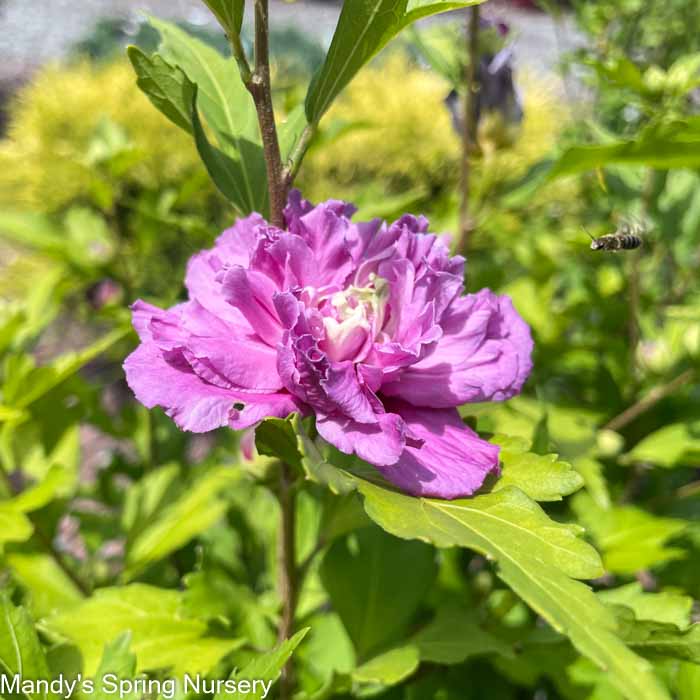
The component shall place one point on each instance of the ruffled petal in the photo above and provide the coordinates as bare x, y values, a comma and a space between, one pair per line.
192, 403
378, 443
483, 355
453, 460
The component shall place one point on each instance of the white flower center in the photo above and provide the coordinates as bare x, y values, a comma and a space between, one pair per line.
356, 319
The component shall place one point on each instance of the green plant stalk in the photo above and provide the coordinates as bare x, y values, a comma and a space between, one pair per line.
466, 223
258, 84
297, 155
288, 575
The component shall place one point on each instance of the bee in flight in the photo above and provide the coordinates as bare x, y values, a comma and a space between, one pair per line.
628, 236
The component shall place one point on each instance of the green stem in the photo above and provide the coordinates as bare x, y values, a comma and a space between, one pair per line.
287, 570
297, 155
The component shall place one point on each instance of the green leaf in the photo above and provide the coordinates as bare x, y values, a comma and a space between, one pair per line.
541, 477
229, 14
166, 86
21, 654
376, 585
591, 471
454, 636
275, 437
118, 661
290, 131
229, 111
536, 557
162, 637
58, 482
389, 668
24, 388
670, 446
658, 152
50, 588
671, 608
364, 28
265, 668
315, 465
147, 496
182, 520
225, 167
629, 538
658, 639
14, 525
688, 681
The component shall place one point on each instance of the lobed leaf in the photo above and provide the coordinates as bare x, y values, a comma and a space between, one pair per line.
166, 86
541, 477
537, 557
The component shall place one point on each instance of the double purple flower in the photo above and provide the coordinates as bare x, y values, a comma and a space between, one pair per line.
362, 325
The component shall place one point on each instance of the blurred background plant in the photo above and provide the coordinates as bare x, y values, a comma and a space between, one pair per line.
102, 200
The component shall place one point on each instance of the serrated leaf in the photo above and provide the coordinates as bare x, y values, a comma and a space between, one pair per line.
389, 668
658, 639
265, 668
166, 86
629, 538
541, 477
535, 557
21, 654
454, 636
364, 28
183, 519
376, 584
50, 588
229, 112
668, 607
162, 638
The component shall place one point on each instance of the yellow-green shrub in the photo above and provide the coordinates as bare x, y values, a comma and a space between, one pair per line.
403, 137
49, 159
399, 132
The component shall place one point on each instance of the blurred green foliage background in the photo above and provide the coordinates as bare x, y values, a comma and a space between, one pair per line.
102, 200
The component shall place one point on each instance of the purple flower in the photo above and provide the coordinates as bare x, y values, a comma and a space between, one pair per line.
361, 324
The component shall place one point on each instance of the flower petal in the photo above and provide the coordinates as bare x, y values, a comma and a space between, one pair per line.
192, 403
453, 460
483, 355
377, 443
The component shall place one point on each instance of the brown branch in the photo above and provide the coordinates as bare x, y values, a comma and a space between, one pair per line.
287, 571
469, 127
258, 84
647, 402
